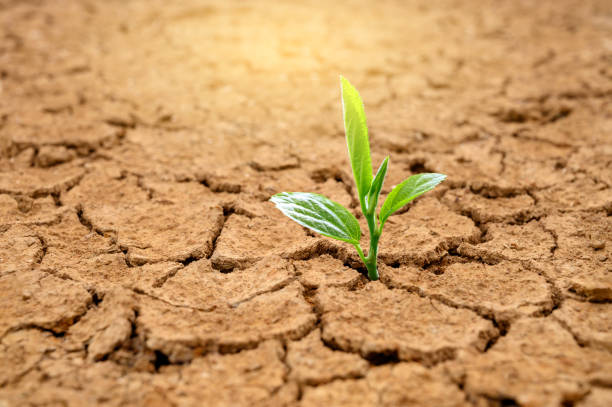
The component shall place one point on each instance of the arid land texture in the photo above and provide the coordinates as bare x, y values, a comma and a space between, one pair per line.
142, 265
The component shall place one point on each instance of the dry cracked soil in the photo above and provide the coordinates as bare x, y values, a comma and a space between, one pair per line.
142, 265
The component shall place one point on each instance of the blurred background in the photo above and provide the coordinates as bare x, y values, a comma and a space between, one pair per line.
185, 89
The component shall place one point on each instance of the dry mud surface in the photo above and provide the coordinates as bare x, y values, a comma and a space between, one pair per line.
141, 264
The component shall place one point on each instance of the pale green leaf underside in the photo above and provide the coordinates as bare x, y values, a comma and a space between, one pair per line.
356, 131
377, 185
408, 190
320, 214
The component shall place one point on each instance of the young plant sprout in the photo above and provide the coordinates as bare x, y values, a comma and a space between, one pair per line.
331, 219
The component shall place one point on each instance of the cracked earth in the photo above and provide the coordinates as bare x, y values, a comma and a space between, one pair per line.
141, 264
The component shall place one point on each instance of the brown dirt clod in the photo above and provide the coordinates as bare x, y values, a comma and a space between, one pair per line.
549, 368
378, 322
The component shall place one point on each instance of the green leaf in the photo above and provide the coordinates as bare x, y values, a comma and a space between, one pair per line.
377, 183
320, 214
408, 190
356, 131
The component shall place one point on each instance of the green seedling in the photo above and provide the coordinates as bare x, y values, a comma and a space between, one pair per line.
331, 219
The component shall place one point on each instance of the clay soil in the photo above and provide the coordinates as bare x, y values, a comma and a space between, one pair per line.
141, 263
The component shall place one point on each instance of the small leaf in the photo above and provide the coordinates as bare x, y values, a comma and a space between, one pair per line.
377, 184
408, 190
357, 141
320, 214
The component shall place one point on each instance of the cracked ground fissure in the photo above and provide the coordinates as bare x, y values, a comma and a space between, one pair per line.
138, 249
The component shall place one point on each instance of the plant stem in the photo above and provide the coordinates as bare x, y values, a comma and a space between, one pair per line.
360, 252
371, 260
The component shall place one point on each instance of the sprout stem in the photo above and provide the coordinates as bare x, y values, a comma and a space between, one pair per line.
371, 260
360, 252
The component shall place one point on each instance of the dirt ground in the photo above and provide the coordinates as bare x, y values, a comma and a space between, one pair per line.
141, 263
